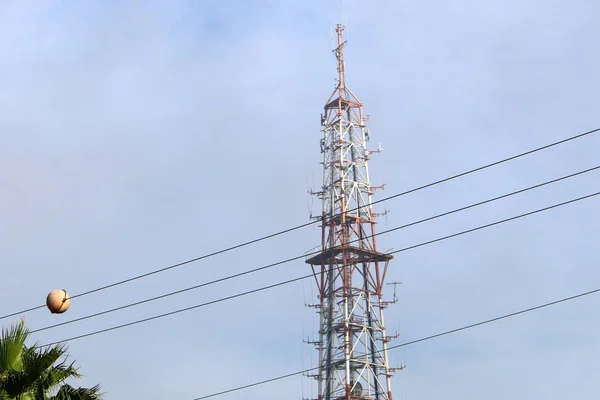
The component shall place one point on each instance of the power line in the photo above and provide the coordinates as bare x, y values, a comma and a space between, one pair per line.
445, 333
309, 254
311, 275
247, 243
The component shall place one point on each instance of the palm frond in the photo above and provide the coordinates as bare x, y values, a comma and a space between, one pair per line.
35, 373
67, 392
55, 376
37, 359
16, 383
12, 341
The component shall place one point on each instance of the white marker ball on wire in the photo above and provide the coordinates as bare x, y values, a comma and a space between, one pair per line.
58, 301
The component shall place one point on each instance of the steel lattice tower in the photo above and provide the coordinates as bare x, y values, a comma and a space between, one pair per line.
349, 270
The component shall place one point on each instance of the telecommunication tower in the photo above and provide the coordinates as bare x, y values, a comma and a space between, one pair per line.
349, 270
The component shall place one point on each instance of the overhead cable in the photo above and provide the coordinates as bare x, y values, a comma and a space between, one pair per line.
311, 275
227, 249
254, 270
423, 339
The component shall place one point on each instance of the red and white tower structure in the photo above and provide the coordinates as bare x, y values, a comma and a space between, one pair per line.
349, 270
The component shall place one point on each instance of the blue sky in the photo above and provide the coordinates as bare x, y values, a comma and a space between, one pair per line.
134, 135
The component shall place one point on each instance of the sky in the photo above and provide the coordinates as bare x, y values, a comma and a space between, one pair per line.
135, 135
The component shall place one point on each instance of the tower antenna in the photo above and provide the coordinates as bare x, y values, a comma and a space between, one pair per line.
349, 270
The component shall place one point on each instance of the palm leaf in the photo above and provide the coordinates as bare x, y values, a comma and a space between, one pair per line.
37, 360
35, 373
55, 376
12, 341
38, 371
67, 392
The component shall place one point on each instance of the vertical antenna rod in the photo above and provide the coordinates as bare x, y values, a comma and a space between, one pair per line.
339, 54
349, 271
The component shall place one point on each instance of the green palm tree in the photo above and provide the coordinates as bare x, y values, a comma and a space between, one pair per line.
36, 373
